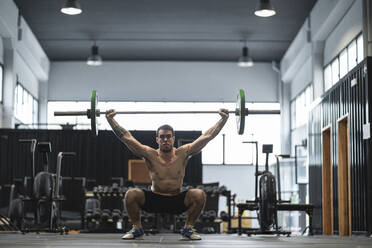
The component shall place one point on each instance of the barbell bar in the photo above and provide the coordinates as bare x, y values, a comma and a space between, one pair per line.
240, 112
98, 112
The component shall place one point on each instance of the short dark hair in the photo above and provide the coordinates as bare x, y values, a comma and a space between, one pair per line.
165, 127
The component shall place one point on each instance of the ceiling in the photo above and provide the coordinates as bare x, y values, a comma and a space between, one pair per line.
175, 30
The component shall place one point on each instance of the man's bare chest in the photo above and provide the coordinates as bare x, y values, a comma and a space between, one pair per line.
167, 169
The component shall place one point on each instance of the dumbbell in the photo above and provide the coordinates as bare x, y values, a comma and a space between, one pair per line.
91, 205
204, 216
95, 191
122, 191
215, 191
147, 217
183, 216
93, 214
109, 191
106, 191
116, 215
106, 215
212, 215
186, 187
100, 190
202, 187
208, 189
97, 213
208, 230
222, 190
208, 216
115, 189
224, 216
89, 214
124, 214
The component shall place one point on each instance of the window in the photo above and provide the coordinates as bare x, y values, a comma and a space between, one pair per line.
300, 107
327, 78
35, 111
25, 106
352, 52
1, 82
293, 115
335, 72
262, 128
360, 48
308, 98
344, 62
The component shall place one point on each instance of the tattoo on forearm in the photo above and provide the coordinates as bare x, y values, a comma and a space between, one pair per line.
214, 131
119, 131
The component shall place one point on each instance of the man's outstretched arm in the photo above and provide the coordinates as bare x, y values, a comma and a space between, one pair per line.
207, 136
126, 137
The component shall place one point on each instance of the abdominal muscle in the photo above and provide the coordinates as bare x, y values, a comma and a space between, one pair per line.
167, 177
167, 186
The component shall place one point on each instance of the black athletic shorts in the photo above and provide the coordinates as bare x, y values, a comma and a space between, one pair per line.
155, 203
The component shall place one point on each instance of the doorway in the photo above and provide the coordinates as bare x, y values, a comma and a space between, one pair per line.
327, 189
344, 197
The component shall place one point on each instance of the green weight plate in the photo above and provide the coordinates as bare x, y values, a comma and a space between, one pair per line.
92, 114
240, 111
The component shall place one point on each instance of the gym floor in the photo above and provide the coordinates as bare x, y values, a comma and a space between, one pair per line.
172, 240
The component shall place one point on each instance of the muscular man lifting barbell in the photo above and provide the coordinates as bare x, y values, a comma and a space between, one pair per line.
167, 170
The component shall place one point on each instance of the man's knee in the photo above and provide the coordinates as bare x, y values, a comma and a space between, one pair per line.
134, 195
197, 196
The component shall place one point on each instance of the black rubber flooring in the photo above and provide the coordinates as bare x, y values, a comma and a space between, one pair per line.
172, 240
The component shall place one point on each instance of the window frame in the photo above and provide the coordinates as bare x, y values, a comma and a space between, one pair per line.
361, 39
350, 59
344, 51
335, 64
25, 97
1, 82
300, 101
337, 57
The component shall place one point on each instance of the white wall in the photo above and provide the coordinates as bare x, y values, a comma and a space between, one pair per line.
346, 30
238, 179
302, 79
8, 32
1, 50
31, 52
325, 16
296, 55
8, 19
162, 81
25, 75
31, 63
23, 58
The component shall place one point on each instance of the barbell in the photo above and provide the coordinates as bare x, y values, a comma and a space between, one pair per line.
240, 112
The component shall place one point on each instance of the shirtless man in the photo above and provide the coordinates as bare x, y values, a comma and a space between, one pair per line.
167, 170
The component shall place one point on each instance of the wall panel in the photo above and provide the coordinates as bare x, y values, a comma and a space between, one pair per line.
343, 99
99, 158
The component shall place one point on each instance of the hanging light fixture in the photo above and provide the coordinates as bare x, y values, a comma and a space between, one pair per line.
265, 9
245, 60
71, 7
94, 58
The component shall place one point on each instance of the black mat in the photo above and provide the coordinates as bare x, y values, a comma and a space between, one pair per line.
172, 240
